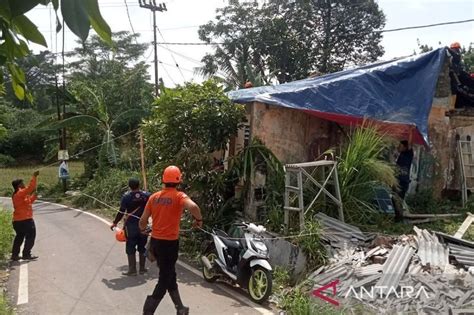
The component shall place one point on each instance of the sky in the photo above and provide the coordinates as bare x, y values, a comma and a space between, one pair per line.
181, 20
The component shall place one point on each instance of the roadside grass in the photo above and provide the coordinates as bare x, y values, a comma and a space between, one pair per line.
6, 233
5, 308
6, 238
47, 180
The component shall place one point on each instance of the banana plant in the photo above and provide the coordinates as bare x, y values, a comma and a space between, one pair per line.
100, 117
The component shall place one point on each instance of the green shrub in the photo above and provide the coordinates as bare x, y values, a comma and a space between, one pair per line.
6, 160
310, 242
6, 233
361, 168
5, 308
107, 189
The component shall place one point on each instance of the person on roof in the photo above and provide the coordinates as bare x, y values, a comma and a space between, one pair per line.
165, 208
132, 206
23, 223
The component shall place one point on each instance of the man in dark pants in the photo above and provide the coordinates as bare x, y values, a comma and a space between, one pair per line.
405, 158
23, 222
132, 206
165, 208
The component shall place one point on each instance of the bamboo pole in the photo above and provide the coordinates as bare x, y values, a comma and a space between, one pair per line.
142, 157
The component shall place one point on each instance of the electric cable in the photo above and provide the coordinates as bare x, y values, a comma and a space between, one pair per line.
172, 55
90, 149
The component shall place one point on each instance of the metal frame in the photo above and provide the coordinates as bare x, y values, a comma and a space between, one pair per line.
300, 171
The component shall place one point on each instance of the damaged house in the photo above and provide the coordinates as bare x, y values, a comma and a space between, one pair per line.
411, 97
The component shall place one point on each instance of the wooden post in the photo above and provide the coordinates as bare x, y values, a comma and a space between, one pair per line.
142, 156
301, 199
287, 201
338, 193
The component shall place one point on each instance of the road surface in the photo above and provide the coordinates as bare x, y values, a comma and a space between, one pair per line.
79, 272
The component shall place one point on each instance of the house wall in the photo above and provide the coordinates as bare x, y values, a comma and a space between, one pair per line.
293, 135
439, 166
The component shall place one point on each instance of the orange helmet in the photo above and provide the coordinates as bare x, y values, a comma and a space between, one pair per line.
172, 175
120, 235
455, 45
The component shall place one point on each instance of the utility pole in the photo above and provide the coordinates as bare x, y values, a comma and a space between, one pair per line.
151, 5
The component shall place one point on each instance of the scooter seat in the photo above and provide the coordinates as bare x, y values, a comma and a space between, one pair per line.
229, 243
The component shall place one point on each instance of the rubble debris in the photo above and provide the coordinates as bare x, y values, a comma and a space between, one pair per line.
394, 268
424, 273
340, 228
463, 255
430, 250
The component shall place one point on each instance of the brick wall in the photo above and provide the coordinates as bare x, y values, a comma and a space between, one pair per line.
292, 135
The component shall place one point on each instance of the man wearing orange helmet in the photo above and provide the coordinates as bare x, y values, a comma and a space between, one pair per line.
165, 208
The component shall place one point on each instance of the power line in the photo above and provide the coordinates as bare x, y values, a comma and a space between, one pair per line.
181, 55
279, 41
167, 73
172, 55
425, 26
129, 19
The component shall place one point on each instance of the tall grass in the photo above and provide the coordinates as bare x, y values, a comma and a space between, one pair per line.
6, 239
47, 179
6, 233
361, 167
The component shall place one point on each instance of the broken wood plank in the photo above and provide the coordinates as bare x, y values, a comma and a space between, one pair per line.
427, 215
465, 225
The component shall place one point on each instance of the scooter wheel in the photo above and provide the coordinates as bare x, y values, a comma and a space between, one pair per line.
210, 275
260, 284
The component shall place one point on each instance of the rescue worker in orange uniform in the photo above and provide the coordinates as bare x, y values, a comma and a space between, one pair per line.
23, 223
165, 208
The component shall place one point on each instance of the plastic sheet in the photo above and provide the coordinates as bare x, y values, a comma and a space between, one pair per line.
396, 95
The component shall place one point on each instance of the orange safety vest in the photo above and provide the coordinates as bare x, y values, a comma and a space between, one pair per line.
166, 208
23, 202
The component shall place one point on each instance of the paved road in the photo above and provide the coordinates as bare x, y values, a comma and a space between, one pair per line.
79, 272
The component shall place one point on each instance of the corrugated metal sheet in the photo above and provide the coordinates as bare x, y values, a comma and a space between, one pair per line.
394, 268
462, 254
330, 275
430, 250
342, 229
369, 270
453, 240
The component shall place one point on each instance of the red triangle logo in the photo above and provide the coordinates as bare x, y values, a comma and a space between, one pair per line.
319, 292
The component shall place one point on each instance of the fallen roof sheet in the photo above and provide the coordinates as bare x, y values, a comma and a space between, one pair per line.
430, 250
394, 268
454, 240
342, 229
463, 255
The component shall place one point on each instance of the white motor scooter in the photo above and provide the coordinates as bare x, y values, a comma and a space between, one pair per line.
244, 261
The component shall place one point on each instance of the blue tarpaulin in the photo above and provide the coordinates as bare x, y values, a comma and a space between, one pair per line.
397, 94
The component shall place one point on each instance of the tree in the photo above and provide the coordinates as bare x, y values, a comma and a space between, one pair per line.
40, 77
468, 57
193, 117
17, 29
238, 60
110, 96
290, 40
187, 125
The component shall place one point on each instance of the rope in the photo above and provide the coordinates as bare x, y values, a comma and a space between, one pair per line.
287, 237
90, 149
